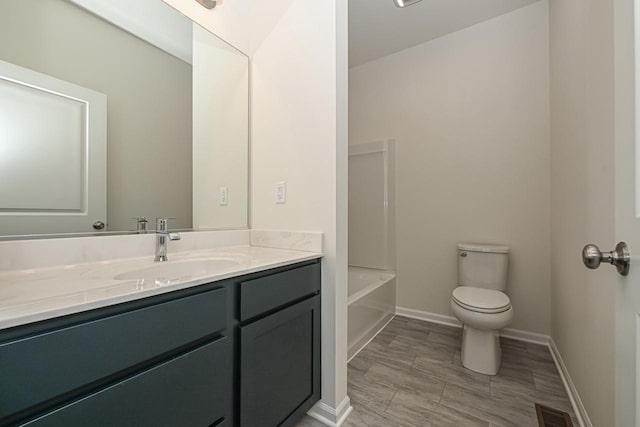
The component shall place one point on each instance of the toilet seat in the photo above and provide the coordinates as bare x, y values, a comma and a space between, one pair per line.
481, 300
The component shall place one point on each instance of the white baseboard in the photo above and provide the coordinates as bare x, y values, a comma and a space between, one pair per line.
519, 335
329, 416
442, 319
572, 392
429, 317
526, 336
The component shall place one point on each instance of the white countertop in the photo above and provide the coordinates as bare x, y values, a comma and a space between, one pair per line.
28, 296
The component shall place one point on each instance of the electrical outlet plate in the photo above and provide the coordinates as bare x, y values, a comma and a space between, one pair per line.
223, 196
281, 192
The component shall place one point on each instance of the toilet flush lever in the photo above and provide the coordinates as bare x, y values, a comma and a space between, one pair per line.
620, 257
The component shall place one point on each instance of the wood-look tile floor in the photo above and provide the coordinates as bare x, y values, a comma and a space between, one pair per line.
411, 375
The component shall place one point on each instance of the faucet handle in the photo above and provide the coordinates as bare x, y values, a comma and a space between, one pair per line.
141, 223
161, 223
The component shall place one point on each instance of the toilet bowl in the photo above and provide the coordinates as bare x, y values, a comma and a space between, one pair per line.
483, 313
481, 305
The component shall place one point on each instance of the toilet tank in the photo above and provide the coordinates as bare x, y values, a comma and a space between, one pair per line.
483, 266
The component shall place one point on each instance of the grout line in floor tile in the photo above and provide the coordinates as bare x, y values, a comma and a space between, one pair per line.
392, 397
442, 394
366, 371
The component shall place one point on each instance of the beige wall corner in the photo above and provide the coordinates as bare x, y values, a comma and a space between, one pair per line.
582, 196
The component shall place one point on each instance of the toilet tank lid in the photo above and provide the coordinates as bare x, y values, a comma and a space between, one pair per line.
480, 247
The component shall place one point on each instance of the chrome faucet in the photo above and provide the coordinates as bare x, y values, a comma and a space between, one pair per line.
162, 234
141, 224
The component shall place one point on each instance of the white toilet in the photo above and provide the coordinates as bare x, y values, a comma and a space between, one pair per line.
479, 302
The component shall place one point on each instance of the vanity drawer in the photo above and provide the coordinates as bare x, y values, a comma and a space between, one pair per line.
48, 365
190, 390
266, 293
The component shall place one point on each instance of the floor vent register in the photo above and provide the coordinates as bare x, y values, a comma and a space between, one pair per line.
549, 417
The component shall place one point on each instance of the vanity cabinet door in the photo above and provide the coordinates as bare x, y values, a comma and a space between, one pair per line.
280, 366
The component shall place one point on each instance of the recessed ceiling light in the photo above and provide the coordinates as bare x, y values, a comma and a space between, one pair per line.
403, 3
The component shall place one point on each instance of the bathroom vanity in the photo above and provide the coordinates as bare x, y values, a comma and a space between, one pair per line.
241, 350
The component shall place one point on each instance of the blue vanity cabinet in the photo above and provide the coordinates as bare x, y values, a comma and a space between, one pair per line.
243, 351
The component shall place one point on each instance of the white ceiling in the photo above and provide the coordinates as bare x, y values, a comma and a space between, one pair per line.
378, 28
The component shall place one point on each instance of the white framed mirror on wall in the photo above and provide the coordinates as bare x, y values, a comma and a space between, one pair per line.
112, 111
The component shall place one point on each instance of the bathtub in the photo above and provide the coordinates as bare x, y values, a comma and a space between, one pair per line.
372, 304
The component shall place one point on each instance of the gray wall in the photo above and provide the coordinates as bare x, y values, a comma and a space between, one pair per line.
582, 197
470, 115
149, 101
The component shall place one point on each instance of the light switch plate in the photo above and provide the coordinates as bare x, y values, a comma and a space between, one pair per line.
223, 196
281, 192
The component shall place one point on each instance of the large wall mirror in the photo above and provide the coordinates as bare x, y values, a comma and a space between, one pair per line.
117, 110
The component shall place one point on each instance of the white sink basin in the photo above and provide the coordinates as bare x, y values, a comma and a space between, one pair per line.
173, 271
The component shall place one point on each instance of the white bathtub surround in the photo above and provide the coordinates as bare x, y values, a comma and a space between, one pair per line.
372, 304
38, 294
47, 253
372, 217
363, 281
372, 255
293, 240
